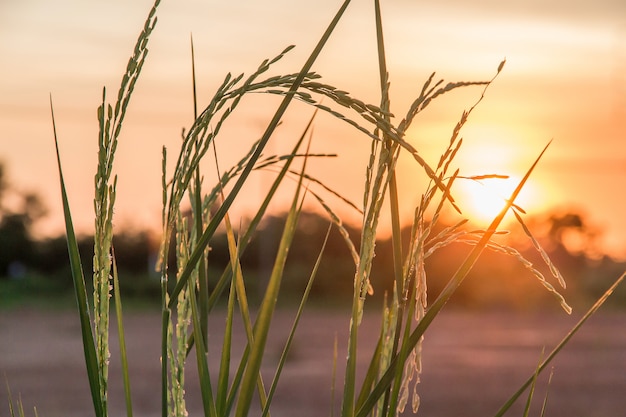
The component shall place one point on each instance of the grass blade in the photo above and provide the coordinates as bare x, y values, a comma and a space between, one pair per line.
222, 378
594, 308
266, 311
203, 367
252, 227
372, 372
18, 407
405, 350
333, 378
262, 324
391, 397
165, 320
89, 347
221, 212
545, 399
531, 393
122, 340
285, 352
235, 251
165, 311
447, 292
203, 290
240, 289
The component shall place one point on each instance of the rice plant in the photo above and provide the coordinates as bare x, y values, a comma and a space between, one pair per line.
391, 380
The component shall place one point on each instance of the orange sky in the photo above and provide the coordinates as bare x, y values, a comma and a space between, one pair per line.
565, 80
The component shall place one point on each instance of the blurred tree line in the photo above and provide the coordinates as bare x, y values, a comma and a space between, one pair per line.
497, 281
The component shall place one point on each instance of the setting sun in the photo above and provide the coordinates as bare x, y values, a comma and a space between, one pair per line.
492, 163
482, 199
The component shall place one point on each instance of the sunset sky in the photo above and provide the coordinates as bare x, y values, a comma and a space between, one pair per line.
564, 80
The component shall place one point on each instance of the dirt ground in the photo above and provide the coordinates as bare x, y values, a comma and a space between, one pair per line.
472, 362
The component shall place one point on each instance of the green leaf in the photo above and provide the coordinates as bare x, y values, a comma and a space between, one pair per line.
122, 339
89, 347
266, 311
285, 352
203, 368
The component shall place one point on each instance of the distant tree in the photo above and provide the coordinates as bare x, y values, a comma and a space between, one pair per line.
16, 224
16, 247
134, 251
3, 183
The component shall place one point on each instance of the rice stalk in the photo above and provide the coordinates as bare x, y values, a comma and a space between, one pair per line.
380, 179
110, 123
553, 269
414, 268
417, 333
326, 188
219, 215
395, 314
340, 227
178, 348
394, 370
246, 237
496, 247
217, 191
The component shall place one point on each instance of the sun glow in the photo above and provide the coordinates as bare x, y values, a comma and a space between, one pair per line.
482, 199
492, 163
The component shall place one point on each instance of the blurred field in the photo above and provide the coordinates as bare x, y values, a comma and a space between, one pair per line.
472, 362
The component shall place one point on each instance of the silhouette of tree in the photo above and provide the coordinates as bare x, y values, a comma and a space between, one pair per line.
3, 183
16, 223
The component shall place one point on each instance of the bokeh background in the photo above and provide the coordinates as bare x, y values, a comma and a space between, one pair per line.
565, 81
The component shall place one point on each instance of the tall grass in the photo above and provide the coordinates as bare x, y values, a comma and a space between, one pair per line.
391, 380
